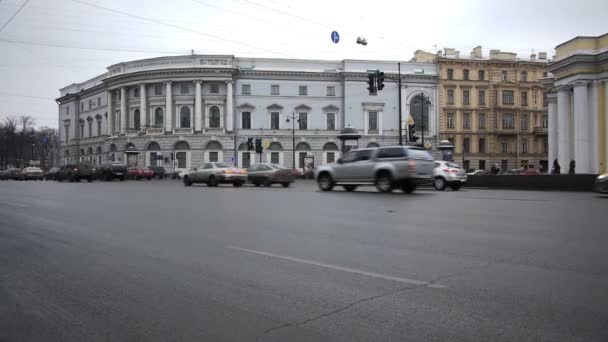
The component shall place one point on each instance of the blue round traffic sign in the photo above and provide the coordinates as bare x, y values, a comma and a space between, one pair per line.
335, 37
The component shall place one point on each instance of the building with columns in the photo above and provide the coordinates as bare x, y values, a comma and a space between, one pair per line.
178, 112
578, 110
491, 108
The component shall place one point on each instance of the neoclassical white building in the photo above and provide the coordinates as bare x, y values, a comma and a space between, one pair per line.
181, 111
578, 104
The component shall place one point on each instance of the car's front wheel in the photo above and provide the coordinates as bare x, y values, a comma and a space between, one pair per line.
384, 182
325, 182
439, 183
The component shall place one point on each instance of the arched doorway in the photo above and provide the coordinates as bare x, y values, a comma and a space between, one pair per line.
275, 154
419, 111
302, 151
153, 154
246, 158
330, 152
182, 155
213, 152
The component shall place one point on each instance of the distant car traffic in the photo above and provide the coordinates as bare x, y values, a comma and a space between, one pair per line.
75, 172
601, 184
51, 174
216, 173
386, 167
11, 174
32, 173
140, 173
448, 174
477, 173
110, 171
268, 174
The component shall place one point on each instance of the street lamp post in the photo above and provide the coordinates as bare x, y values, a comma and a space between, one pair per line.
293, 118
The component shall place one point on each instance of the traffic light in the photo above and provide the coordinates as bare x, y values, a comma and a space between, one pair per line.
380, 78
258, 145
371, 83
249, 144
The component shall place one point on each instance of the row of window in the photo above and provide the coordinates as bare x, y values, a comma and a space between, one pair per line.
91, 105
301, 120
481, 75
508, 97
275, 89
504, 145
507, 121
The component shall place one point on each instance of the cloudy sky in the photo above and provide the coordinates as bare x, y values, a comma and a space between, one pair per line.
49, 44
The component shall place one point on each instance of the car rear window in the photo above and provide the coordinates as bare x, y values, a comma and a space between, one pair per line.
218, 165
391, 152
415, 153
452, 165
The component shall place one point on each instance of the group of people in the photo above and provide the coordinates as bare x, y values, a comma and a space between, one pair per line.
557, 169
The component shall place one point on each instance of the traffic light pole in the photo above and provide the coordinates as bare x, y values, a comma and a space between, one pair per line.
399, 94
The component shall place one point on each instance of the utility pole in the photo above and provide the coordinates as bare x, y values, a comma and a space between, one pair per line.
399, 95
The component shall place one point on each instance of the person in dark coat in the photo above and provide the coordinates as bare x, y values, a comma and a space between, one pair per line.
572, 167
556, 169
494, 169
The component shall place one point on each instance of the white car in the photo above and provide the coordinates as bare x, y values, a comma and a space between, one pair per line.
181, 173
448, 174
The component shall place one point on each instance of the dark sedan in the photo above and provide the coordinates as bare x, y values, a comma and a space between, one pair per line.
601, 184
269, 174
51, 174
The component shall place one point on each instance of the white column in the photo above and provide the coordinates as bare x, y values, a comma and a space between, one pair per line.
198, 114
563, 129
229, 111
123, 110
168, 107
552, 117
143, 106
594, 164
581, 128
110, 108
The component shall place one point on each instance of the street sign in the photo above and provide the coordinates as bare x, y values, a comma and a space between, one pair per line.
233, 159
335, 37
427, 145
410, 121
45, 140
266, 143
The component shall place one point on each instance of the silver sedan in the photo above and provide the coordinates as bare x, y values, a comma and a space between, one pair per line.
216, 173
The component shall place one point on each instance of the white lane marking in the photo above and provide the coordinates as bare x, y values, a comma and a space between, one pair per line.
341, 268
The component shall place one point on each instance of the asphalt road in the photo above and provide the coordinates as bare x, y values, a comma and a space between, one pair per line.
156, 261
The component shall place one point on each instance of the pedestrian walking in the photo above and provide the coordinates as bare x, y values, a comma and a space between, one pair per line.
556, 169
572, 167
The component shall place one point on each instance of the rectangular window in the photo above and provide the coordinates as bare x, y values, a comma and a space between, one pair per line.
372, 122
246, 120
67, 110
67, 134
90, 104
90, 129
331, 157
481, 74
450, 120
331, 121
524, 122
465, 74
213, 157
504, 75
504, 147
331, 91
482, 97
482, 120
274, 120
246, 89
507, 97
303, 90
466, 120
275, 158
302, 120
524, 76
181, 159
98, 127
450, 74
482, 145
81, 131
524, 98
82, 106
301, 158
274, 89
466, 145
184, 89
158, 90
98, 101
214, 88
545, 121
545, 145
482, 164
524, 146
136, 92
465, 97
246, 162
450, 96
507, 121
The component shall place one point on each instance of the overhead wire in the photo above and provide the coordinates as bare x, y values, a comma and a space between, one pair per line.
14, 15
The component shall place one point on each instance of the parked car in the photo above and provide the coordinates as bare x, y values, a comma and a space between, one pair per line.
448, 174
110, 171
477, 173
514, 172
386, 167
51, 174
140, 173
12, 173
159, 172
530, 172
269, 174
75, 172
32, 173
601, 184
216, 173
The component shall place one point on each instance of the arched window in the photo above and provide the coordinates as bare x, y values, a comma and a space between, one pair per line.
275, 146
130, 147
112, 148
67, 153
373, 144
214, 117
330, 146
302, 146
184, 117
417, 106
82, 151
182, 145
213, 152
330, 152
153, 146
158, 118
213, 145
136, 122
90, 150
99, 150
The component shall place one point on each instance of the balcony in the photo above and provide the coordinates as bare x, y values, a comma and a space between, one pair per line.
539, 130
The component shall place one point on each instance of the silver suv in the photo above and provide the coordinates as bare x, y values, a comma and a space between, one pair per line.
384, 167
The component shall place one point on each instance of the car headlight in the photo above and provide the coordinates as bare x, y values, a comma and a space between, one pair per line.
605, 175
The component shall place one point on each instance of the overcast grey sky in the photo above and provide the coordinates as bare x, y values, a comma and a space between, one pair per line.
52, 43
